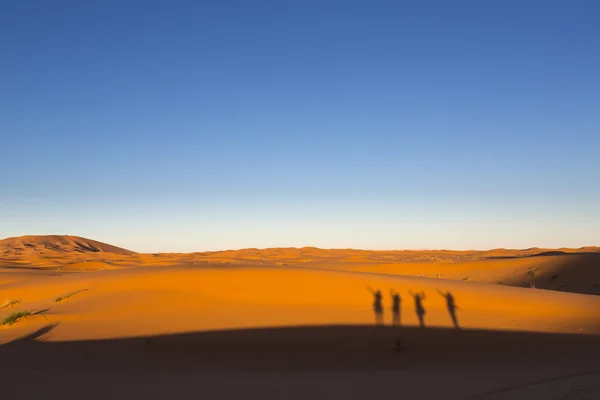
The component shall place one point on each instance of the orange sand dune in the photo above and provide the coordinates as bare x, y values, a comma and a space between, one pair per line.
569, 270
56, 252
65, 243
174, 299
272, 332
296, 323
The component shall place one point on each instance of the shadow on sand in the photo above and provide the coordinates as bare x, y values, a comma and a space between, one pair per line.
451, 306
419, 308
345, 347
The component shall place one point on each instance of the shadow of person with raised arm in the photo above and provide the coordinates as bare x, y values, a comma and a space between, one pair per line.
451, 305
419, 309
377, 305
396, 300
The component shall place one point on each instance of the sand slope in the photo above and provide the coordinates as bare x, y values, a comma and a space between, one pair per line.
569, 272
175, 299
227, 331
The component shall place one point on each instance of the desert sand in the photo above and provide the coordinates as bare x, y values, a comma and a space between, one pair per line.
297, 323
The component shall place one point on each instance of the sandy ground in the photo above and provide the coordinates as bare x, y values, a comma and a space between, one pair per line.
291, 332
296, 324
568, 270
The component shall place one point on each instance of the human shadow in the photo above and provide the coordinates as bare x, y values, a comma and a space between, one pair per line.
396, 301
451, 305
37, 335
377, 305
419, 309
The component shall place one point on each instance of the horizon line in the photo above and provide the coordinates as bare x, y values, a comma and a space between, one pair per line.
318, 248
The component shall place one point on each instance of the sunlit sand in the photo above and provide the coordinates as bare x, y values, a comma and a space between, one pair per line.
265, 319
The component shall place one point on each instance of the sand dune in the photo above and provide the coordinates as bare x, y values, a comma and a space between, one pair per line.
222, 330
175, 299
569, 270
298, 323
55, 252
65, 243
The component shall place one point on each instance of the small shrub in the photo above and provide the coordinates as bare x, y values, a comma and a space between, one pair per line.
15, 316
531, 273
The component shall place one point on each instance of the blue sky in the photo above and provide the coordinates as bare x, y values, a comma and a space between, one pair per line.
190, 125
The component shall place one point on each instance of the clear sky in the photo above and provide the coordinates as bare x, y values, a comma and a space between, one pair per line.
203, 125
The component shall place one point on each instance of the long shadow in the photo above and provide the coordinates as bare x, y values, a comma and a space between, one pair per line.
419, 308
40, 312
300, 348
396, 307
451, 306
35, 336
377, 305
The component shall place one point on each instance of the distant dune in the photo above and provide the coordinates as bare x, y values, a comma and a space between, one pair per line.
29, 245
570, 270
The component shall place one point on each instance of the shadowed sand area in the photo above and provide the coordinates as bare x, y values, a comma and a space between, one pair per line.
300, 362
